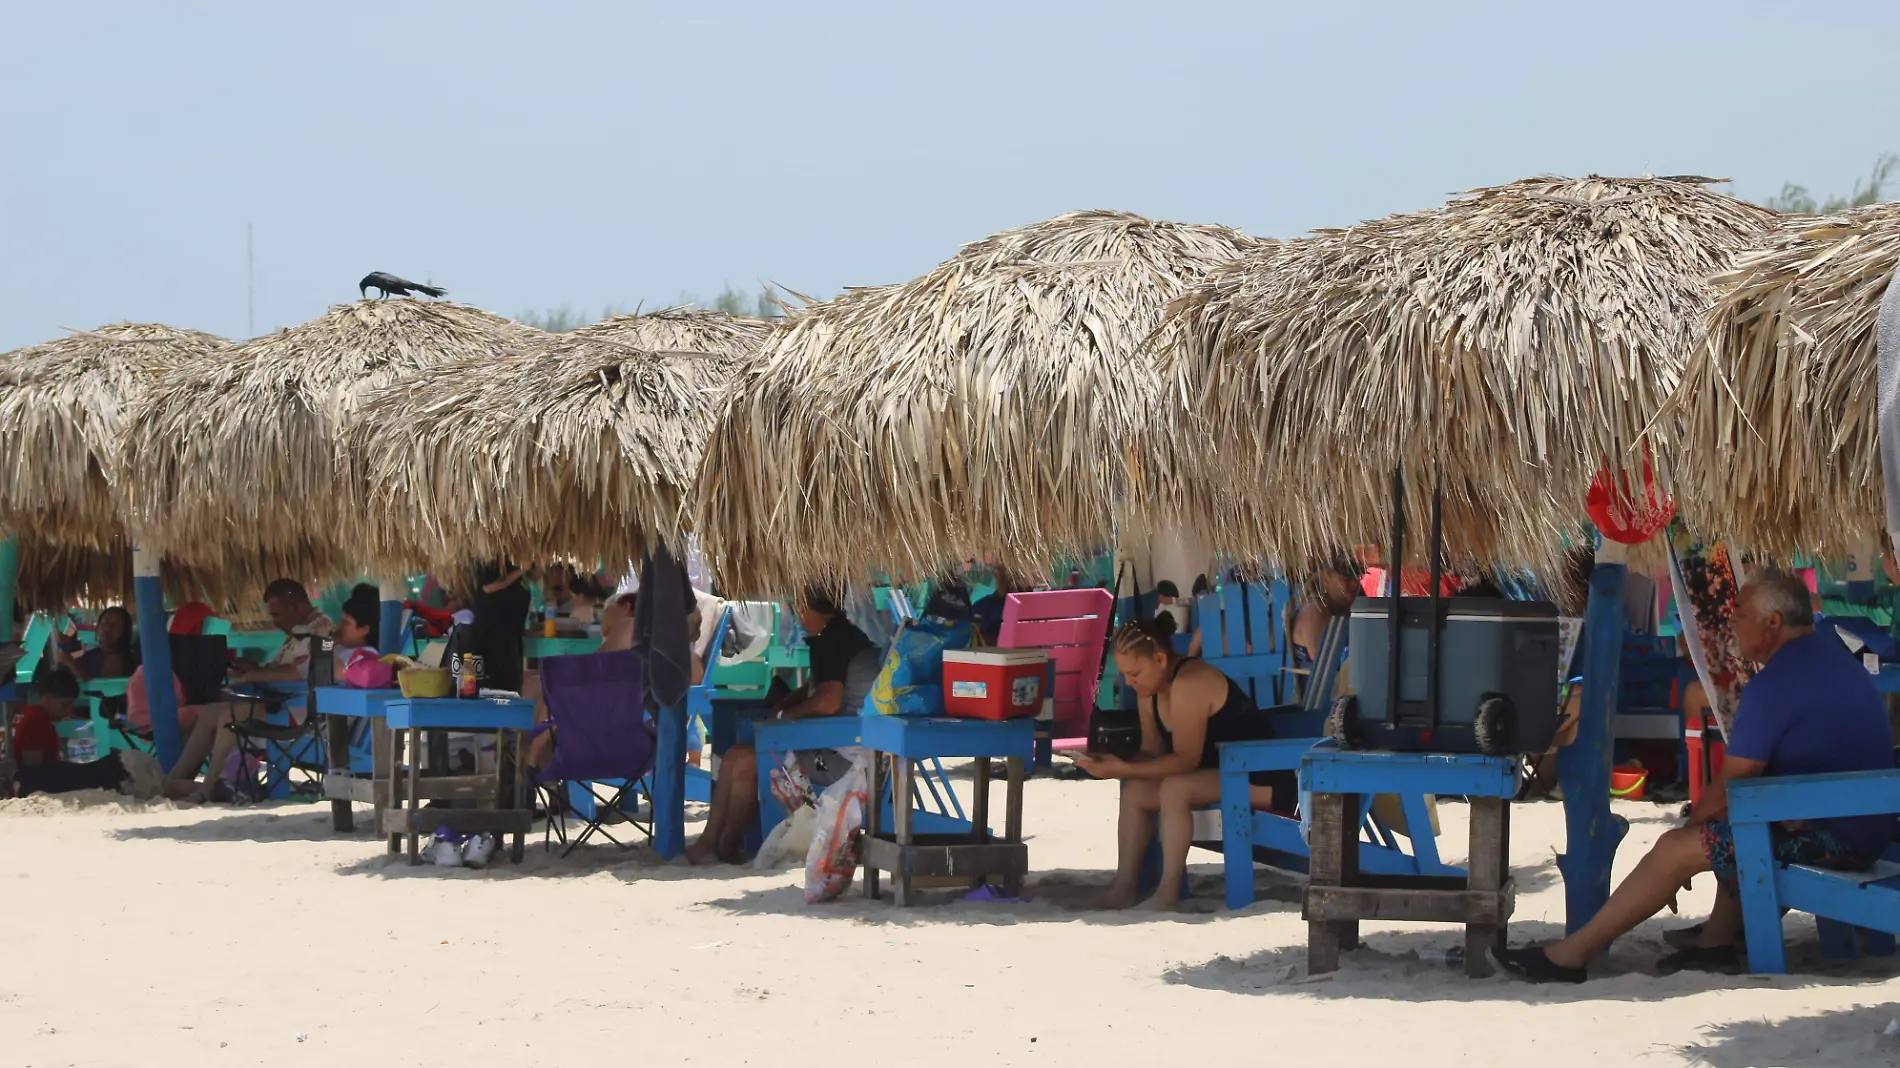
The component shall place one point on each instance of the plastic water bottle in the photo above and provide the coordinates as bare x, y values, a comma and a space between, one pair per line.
81, 748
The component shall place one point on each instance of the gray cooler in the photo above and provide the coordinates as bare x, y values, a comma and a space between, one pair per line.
1497, 677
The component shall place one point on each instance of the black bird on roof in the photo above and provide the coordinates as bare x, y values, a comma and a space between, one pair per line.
391, 286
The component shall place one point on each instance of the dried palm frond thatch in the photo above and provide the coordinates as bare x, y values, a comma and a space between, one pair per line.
1780, 407
1519, 338
56, 575
62, 415
682, 329
243, 450
983, 407
582, 446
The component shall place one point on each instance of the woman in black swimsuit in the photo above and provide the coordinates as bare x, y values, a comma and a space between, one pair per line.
1187, 709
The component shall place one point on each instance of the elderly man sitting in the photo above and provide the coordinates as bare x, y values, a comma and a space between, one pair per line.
1812, 709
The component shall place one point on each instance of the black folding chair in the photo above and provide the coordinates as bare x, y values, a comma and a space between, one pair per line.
199, 663
289, 753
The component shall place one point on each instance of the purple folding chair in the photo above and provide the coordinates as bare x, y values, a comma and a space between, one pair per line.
602, 745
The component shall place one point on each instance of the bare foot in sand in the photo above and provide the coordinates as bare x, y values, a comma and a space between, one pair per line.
1115, 897
701, 852
1157, 903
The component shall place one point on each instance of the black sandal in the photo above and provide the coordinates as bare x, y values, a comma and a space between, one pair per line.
1533, 965
1719, 959
1682, 937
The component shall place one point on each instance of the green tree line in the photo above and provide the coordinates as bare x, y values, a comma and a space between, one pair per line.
1795, 199
731, 301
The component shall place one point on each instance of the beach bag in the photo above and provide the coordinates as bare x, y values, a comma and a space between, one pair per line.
790, 786
788, 842
832, 859
910, 683
1115, 731
366, 671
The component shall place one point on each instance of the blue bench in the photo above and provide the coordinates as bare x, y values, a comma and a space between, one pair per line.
1855, 911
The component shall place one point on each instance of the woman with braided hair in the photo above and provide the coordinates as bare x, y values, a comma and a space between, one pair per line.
1187, 709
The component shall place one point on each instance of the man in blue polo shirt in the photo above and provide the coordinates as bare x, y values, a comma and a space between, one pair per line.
1812, 709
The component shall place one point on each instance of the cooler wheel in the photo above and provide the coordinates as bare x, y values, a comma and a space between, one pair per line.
1342, 723
1495, 728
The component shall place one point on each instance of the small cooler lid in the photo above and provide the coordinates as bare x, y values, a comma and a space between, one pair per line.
996, 657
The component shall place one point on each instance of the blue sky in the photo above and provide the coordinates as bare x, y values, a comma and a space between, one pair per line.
590, 153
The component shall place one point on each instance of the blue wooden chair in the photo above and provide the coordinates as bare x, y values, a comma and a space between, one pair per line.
1856, 912
1272, 838
1243, 633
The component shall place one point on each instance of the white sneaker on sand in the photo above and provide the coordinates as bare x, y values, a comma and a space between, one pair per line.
445, 852
145, 778
478, 851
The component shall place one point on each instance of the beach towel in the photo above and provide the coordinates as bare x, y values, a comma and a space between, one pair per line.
659, 629
1705, 582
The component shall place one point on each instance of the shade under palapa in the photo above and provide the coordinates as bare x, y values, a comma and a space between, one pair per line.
245, 450
1519, 338
1780, 407
980, 408
581, 447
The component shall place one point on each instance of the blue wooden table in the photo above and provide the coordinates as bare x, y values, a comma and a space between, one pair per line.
540, 646
354, 769
974, 856
407, 718
1338, 896
255, 644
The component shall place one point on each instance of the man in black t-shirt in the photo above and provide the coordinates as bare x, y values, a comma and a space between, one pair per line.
844, 665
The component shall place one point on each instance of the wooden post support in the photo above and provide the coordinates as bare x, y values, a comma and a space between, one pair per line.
1488, 868
1583, 768
389, 622
156, 653
669, 784
336, 742
9, 577
873, 817
1334, 863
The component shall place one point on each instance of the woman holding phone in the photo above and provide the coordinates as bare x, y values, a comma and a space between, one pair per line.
1187, 708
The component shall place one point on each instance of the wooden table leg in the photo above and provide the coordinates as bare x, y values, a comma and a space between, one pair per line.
413, 749
1013, 816
980, 808
902, 811
1334, 843
388, 761
873, 816
517, 746
336, 737
1486, 867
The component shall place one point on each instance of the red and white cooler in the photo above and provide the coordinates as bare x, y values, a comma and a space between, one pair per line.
994, 683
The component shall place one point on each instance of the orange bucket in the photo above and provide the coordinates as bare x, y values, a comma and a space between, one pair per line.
1626, 784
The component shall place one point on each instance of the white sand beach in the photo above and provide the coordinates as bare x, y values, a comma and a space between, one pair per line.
158, 936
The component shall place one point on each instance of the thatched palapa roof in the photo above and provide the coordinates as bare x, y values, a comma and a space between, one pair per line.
982, 407
1780, 407
1520, 337
244, 450
62, 415
583, 445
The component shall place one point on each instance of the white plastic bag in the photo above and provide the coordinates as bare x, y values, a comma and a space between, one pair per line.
790, 786
789, 841
832, 859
